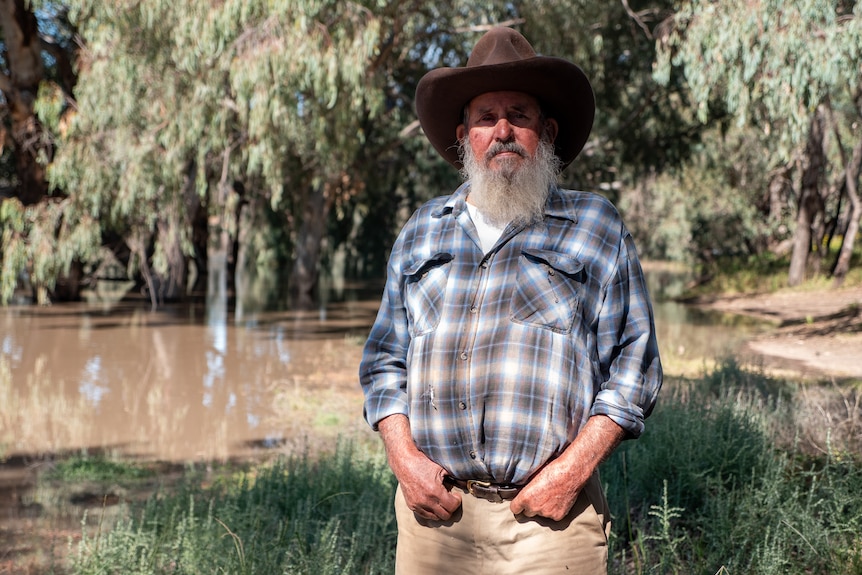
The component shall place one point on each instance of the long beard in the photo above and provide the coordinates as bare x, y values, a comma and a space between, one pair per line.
515, 194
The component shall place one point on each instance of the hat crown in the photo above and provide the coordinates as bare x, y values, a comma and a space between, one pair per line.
500, 46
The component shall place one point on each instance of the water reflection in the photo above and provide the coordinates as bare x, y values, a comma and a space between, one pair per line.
205, 381
177, 383
692, 338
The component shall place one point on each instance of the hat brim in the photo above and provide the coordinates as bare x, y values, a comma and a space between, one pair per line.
562, 88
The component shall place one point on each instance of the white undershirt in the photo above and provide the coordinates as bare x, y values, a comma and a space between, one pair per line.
488, 232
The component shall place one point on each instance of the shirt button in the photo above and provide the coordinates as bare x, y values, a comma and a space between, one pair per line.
462, 405
474, 309
551, 272
485, 265
464, 355
473, 455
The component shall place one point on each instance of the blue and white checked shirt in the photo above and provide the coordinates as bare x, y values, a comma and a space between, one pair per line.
498, 360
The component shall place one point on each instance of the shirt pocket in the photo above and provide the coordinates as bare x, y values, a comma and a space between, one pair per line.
547, 291
424, 291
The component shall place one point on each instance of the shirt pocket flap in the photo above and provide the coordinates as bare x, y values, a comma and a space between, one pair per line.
419, 268
560, 262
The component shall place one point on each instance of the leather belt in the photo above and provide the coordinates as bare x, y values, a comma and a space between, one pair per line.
494, 492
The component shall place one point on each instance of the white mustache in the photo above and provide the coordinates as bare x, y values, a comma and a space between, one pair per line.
501, 147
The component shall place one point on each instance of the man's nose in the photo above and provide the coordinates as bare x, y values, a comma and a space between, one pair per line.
503, 131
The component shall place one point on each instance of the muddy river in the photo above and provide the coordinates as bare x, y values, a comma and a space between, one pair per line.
178, 383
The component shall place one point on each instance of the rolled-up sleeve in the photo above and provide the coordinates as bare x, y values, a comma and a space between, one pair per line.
627, 346
383, 370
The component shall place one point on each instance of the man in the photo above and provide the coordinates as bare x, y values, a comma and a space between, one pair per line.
515, 346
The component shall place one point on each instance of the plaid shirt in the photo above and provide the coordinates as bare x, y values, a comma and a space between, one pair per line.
498, 360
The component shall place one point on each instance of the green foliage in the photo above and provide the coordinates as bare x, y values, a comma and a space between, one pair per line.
197, 122
770, 62
716, 484
714, 207
29, 244
329, 516
640, 125
96, 469
733, 497
788, 72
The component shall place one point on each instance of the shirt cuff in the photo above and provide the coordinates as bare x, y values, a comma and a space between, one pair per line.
383, 404
627, 415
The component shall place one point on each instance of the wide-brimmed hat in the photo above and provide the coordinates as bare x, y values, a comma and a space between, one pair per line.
503, 60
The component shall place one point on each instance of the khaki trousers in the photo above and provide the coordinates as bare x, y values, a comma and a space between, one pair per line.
485, 538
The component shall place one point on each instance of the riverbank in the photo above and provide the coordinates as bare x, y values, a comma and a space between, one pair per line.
818, 332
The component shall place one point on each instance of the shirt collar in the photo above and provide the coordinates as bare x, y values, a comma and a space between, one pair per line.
456, 203
561, 206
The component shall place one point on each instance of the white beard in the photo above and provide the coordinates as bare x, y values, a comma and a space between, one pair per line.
511, 194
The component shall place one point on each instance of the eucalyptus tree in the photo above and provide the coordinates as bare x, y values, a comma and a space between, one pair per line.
190, 111
36, 49
251, 120
280, 130
37, 53
790, 70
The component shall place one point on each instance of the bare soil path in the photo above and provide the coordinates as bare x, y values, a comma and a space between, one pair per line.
819, 332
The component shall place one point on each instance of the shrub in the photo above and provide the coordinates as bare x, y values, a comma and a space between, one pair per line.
707, 489
298, 516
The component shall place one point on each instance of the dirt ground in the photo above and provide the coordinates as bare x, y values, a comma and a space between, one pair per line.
819, 333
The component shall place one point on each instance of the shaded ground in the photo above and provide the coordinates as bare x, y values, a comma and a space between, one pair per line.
819, 333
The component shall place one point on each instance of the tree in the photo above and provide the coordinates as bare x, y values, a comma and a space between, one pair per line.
280, 135
257, 118
30, 59
36, 80
791, 70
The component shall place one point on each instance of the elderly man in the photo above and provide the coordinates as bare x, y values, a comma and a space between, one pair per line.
515, 346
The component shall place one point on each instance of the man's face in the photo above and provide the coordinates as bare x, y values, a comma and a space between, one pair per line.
504, 129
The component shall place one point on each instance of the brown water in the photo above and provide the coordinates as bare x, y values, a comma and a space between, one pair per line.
188, 382
176, 384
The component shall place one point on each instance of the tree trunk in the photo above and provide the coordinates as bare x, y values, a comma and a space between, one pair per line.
810, 202
172, 283
851, 174
20, 89
779, 185
309, 242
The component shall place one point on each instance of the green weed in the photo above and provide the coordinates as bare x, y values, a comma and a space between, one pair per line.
716, 485
96, 469
326, 516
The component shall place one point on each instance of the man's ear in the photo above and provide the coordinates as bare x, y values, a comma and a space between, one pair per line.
550, 130
460, 132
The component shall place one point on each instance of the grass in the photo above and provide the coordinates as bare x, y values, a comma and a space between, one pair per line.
96, 469
330, 515
720, 480
728, 478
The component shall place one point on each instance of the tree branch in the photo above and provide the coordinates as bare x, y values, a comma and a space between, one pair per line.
633, 15
486, 27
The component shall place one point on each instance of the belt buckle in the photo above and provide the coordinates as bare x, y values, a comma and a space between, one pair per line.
484, 490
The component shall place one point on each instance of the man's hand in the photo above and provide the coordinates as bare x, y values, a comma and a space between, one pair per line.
550, 493
420, 478
554, 489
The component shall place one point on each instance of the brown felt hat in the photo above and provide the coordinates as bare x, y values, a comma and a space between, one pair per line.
503, 60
